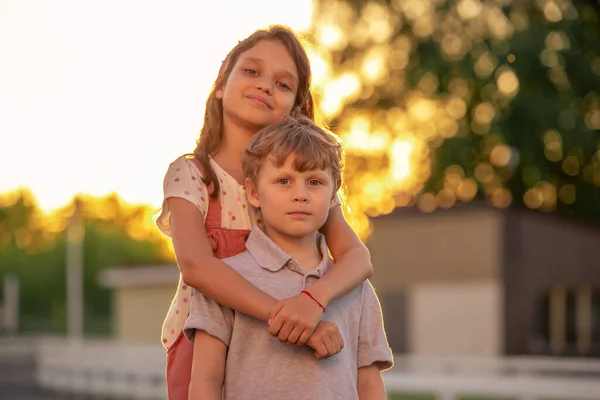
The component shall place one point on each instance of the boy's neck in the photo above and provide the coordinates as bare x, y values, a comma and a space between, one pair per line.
229, 155
302, 249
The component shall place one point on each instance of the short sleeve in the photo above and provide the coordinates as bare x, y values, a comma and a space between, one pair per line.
208, 316
183, 179
372, 342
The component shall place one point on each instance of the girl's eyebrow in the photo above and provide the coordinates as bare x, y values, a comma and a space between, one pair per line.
261, 61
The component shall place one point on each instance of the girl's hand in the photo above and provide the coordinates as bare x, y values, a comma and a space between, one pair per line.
293, 320
326, 340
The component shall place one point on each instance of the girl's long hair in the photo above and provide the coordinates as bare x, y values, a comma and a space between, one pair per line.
211, 134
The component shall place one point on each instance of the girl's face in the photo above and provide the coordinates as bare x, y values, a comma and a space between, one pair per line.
261, 88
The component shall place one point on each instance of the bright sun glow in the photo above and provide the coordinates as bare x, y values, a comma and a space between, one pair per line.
98, 97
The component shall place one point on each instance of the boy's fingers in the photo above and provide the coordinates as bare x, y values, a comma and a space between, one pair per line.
340, 339
320, 350
329, 346
336, 345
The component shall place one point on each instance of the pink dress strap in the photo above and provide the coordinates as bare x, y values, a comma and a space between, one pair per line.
225, 243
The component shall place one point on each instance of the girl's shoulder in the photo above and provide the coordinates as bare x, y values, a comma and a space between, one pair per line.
186, 164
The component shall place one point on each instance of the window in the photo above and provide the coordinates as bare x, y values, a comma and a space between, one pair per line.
567, 322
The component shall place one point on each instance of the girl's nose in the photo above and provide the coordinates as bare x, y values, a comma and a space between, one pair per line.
265, 85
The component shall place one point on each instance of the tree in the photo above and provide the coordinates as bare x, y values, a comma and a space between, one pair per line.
32, 247
444, 102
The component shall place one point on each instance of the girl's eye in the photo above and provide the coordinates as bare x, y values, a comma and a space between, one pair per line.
251, 71
284, 86
284, 181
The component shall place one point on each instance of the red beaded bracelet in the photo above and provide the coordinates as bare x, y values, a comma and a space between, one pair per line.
306, 292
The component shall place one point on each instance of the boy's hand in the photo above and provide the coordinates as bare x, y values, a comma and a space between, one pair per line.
326, 340
293, 320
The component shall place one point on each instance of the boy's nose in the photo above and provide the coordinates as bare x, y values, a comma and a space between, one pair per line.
300, 195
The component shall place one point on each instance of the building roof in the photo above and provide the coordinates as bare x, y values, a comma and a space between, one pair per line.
139, 276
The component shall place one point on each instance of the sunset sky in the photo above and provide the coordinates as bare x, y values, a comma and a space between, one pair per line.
99, 97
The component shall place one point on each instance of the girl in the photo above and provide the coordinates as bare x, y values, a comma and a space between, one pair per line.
205, 212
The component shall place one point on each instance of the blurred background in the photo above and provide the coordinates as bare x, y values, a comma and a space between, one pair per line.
473, 174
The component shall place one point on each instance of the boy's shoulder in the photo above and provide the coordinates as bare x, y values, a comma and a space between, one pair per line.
241, 262
357, 298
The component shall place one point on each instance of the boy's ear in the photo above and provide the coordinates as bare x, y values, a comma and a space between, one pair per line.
251, 193
334, 199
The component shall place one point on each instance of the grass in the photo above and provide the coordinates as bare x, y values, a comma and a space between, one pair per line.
408, 396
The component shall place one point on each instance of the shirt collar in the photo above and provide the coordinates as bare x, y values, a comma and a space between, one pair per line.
272, 258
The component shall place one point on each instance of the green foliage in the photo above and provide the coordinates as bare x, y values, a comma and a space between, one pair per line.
33, 247
504, 95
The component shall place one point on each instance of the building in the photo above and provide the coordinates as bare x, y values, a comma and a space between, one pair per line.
470, 280
474, 280
140, 300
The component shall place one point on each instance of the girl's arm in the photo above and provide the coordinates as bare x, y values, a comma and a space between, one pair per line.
208, 367
206, 273
352, 259
352, 267
217, 280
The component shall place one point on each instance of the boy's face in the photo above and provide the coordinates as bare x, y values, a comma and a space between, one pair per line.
293, 204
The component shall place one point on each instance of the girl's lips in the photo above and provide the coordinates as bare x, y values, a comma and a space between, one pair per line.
259, 100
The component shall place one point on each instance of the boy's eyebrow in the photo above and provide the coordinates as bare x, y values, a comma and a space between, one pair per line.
261, 61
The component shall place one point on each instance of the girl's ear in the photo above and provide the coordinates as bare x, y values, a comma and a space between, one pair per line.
251, 193
220, 87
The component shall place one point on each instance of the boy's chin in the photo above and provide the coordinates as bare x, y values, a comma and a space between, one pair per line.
300, 234
295, 233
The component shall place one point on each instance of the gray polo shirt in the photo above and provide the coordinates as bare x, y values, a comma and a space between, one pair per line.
261, 367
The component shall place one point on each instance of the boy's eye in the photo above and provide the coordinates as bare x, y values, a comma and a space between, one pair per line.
315, 182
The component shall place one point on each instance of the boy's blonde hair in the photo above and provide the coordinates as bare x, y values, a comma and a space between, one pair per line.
313, 147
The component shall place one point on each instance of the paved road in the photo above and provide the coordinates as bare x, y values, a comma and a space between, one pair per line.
17, 380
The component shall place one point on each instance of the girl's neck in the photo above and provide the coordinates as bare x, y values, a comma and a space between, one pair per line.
229, 155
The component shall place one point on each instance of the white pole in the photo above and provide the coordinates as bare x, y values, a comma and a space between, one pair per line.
75, 236
11, 304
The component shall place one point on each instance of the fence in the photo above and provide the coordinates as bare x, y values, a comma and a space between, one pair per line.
523, 378
105, 368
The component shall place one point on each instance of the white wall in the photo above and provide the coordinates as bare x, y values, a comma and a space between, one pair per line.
452, 319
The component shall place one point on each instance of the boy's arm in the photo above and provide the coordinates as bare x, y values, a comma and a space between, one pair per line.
373, 348
208, 371
370, 383
209, 326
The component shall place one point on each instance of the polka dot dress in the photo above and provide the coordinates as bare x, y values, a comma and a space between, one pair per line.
184, 180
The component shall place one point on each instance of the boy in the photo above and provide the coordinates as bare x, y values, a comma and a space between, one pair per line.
293, 170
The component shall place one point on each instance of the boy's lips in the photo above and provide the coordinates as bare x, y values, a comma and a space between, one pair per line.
261, 100
299, 214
